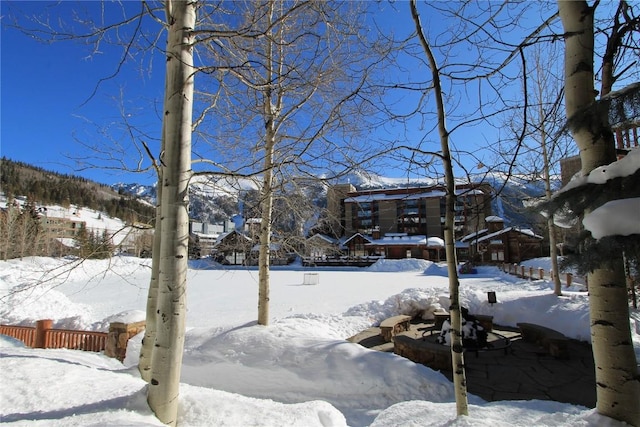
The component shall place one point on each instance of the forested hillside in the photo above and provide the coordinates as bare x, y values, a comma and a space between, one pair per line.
215, 204
46, 187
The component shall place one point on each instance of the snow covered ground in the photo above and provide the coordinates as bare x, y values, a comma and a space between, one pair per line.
298, 371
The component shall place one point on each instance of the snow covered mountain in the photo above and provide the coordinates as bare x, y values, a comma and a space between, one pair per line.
217, 200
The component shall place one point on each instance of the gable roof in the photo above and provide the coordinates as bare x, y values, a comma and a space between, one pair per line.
223, 236
474, 235
366, 238
324, 237
490, 236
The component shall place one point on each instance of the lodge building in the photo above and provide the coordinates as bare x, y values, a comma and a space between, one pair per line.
412, 211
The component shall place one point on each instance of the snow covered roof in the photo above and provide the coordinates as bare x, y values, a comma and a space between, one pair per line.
399, 239
526, 231
272, 246
206, 236
492, 236
324, 237
367, 238
365, 198
222, 236
402, 239
435, 241
474, 235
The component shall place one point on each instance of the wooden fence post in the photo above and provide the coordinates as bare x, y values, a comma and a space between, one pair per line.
42, 326
541, 273
569, 279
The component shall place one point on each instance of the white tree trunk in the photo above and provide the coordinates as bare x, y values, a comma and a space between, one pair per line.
553, 248
266, 195
148, 341
457, 349
265, 238
151, 324
617, 380
166, 361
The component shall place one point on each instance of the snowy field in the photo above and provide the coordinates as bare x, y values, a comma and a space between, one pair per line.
298, 371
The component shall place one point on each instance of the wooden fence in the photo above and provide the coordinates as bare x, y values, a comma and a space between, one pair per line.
26, 334
76, 340
44, 336
533, 273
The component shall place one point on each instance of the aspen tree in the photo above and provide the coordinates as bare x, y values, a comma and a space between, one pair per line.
457, 349
617, 380
166, 359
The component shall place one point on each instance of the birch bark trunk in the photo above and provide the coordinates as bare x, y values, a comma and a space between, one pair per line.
553, 248
457, 349
617, 380
146, 351
265, 237
271, 110
166, 361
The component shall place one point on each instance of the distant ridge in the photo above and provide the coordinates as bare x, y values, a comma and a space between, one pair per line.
51, 188
217, 200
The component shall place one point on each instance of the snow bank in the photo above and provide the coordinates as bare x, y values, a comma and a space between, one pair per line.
409, 264
495, 414
300, 370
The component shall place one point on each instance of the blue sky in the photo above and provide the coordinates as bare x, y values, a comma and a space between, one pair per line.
48, 110
49, 116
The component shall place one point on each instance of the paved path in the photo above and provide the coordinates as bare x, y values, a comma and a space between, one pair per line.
526, 372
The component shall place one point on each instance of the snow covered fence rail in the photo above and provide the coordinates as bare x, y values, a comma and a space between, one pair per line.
113, 343
536, 274
26, 334
44, 336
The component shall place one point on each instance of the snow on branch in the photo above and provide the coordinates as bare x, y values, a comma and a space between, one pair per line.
614, 218
627, 166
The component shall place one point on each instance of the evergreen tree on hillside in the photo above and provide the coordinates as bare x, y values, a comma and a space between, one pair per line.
83, 241
51, 188
21, 232
105, 246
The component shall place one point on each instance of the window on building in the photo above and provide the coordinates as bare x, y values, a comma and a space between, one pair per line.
410, 217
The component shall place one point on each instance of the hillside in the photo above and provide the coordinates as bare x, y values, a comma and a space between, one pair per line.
51, 188
215, 201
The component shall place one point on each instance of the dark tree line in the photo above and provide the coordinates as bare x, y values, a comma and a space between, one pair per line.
46, 187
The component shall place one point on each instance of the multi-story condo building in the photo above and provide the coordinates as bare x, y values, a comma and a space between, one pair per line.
409, 211
409, 223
